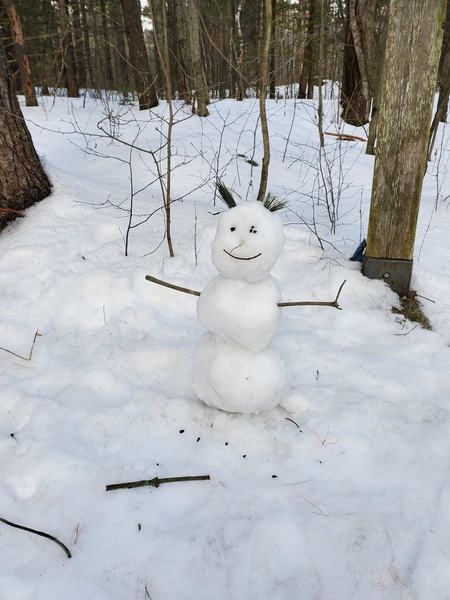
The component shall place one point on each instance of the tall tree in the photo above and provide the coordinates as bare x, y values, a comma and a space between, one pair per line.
144, 80
22, 179
406, 103
359, 62
19, 52
444, 83
67, 52
201, 90
267, 28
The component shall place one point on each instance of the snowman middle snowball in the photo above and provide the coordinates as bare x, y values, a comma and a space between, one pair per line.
234, 367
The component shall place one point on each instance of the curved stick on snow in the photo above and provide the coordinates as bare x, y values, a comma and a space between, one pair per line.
178, 288
333, 304
155, 482
41, 533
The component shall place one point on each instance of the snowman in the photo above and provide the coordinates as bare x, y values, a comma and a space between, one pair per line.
235, 367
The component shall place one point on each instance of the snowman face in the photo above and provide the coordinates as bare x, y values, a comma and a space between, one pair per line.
249, 239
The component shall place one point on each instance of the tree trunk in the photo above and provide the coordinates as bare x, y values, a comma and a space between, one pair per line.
357, 76
78, 43
67, 54
406, 103
86, 46
22, 178
120, 53
144, 80
19, 52
267, 28
109, 74
272, 50
201, 91
444, 84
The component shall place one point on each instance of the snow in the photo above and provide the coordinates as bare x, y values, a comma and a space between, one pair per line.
360, 505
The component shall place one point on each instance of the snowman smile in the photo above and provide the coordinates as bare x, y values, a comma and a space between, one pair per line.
241, 257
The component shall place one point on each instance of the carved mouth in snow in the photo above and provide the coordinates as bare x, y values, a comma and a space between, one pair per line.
241, 257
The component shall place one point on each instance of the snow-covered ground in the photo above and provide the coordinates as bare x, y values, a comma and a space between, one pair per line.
354, 502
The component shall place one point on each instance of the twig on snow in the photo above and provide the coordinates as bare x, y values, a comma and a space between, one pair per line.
30, 354
41, 533
178, 288
155, 482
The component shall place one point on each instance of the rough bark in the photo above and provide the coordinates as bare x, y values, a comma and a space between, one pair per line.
78, 42
19, 52
109, 74
359, 62
67, 53
144, 79
201, 90
272, 51
22, 178
444, 83
85, 42
406, 101
120, 51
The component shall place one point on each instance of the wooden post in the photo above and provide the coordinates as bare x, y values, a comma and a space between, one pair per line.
406, 100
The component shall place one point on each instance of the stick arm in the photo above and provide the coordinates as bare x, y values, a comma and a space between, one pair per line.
178, 288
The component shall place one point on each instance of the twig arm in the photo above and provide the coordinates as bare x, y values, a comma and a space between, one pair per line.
172, 286
41, 533
333, 304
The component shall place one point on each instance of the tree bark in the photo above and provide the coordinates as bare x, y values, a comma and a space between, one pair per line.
120, 53
444, 84
406, 102
67, 54
78, 43
109, 73
201, 90
272, 91
144, 80
267, 27
357, 76
19, 52
22, 179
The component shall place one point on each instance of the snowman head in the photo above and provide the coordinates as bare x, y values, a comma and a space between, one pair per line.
248, 241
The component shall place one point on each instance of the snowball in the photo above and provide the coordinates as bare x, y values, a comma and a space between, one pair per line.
253, 236
232, 378
241, 312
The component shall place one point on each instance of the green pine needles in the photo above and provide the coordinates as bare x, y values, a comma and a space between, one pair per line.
271, 202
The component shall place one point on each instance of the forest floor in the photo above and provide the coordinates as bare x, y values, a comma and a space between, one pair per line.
350, 501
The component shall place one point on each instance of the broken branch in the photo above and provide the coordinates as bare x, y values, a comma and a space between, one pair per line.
346, 137
178, 288
30, 354
333, 304
41, 533
155, 482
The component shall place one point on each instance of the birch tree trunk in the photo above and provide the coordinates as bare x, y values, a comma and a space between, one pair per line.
406, 103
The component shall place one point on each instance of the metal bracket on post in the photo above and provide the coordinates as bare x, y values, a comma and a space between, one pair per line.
395, 272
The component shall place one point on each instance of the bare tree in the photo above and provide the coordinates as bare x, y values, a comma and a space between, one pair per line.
267, 29
201, 90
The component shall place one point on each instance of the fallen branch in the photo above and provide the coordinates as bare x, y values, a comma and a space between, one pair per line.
333, 304
171, 285
155, 482
41, 533
30, 354
346, 137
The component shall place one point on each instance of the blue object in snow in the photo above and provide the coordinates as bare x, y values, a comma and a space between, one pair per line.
358, 255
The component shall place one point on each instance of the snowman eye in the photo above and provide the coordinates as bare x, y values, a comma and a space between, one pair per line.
253, 229
232, 228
